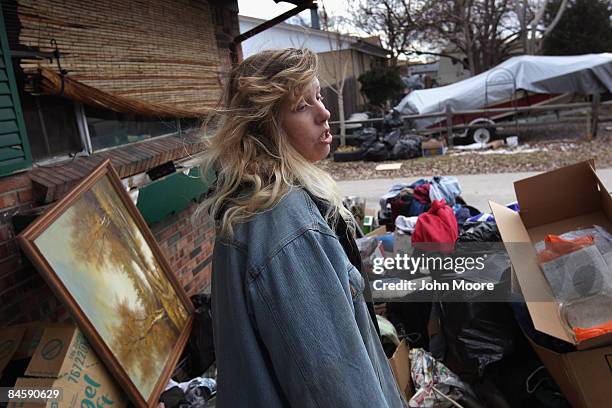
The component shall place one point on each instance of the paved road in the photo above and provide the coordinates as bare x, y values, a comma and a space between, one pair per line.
477, 189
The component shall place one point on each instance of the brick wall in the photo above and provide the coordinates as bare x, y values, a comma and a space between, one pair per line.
187, 243
227, 28
25, 296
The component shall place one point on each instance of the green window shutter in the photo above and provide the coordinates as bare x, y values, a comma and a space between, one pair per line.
14, 147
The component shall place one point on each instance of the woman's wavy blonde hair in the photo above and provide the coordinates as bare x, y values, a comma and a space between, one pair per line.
256, 166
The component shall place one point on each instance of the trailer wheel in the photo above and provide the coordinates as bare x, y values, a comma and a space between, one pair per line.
481, 135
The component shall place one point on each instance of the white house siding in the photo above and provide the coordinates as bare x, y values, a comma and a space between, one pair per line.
449, 73
286, 35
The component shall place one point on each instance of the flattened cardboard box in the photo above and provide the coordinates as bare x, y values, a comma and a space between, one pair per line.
559, 201
400, 366
64, 360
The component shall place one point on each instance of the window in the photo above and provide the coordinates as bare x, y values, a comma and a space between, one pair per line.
50, 123
58, 127
189, 125
108, 129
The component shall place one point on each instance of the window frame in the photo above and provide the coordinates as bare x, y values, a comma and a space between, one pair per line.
85, 138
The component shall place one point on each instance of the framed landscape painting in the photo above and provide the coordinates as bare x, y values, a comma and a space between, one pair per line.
100, 258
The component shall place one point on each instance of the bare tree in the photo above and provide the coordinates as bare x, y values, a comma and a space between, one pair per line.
536, 31
336, 64
485, 31
392, 20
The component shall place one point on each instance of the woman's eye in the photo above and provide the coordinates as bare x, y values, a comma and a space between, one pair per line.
300, 108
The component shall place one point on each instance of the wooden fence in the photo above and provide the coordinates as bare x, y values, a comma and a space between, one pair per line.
591, 111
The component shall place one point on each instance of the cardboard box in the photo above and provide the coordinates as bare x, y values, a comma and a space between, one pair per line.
400, 365
559, 201
33, 332
377, 232
10, 339
64, 360
433, 147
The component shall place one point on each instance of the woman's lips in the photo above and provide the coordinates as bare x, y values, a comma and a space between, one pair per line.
326, 137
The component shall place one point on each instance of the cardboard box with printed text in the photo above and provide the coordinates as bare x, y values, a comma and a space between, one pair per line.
64, 360
556, 202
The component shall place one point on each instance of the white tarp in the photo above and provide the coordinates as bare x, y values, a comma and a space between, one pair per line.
582, 74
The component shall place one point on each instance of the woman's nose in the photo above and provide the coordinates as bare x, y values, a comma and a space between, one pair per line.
323, 114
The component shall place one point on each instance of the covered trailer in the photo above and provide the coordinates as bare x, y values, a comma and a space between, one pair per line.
520, 81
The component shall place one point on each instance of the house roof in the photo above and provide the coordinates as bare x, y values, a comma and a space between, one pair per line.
365, 45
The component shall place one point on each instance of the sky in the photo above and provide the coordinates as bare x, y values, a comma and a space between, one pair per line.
269, 9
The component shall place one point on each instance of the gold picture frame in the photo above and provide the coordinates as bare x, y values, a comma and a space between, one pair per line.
98, 255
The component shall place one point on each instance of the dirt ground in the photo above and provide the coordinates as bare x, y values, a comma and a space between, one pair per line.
539, 150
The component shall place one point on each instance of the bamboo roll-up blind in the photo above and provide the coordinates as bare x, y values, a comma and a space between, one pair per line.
156, 52
52, 83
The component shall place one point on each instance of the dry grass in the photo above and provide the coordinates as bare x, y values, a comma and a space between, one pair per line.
555, 152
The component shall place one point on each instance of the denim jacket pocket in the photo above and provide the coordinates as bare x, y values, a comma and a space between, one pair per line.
356, 282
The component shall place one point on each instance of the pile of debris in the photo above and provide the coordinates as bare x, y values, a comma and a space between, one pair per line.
486, 347
369, 145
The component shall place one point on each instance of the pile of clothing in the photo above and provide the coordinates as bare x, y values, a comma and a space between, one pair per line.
403, 203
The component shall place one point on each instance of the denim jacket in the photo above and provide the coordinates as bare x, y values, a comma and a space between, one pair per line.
291, 327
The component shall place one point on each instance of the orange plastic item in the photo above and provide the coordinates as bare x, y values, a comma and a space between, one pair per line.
555, 246
583, 334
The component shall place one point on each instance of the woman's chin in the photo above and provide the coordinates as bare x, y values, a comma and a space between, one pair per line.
325, 153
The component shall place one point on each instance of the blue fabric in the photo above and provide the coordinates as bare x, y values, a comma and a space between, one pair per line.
417, 208
418, 183
488, 217
387, 240
445, 187
461, 213
291, 327
395, 190
391, 194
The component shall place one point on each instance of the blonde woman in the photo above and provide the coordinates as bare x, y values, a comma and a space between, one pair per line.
291, 325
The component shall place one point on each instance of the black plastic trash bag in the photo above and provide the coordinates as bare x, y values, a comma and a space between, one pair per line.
376, 152
407, 148
201, 347
366, 137
477, 334
479, 232
362, 137
392, 138
392, 120
522, 317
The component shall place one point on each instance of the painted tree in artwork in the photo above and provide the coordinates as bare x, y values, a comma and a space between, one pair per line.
132, 236
103, 234
131, 340
140, 340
